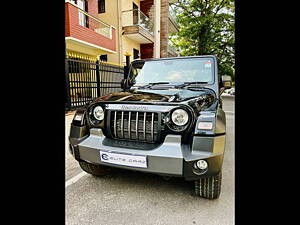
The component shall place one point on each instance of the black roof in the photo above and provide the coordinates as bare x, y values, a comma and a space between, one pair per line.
170, 58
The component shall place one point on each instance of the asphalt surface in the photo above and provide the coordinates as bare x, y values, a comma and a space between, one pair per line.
129, 197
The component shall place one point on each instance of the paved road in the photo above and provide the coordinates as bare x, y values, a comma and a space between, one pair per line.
129, 197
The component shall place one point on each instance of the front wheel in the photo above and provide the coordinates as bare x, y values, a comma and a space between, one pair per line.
95, 170
209, 187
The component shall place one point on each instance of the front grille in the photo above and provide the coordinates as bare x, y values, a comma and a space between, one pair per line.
137, 126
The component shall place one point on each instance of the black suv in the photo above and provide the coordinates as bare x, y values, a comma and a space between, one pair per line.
168, 120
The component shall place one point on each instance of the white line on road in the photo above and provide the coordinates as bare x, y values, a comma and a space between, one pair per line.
75, 179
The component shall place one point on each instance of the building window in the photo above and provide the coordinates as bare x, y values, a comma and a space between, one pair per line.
86, 17
103, 58
101, 6
86, 5
136, 54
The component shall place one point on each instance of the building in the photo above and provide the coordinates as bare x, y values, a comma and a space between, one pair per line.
107, 29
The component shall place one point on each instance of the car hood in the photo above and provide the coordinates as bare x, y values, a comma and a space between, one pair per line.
167, 95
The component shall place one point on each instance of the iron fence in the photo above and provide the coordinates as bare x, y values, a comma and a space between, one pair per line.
88, 79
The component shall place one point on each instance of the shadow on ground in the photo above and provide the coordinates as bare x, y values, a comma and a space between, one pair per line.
127, 178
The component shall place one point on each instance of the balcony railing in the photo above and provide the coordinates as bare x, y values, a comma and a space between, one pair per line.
172, 14
136, 17
85, 29
172, 50
172, 18
94, 24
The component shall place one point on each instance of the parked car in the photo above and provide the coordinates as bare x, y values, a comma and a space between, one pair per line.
168, 120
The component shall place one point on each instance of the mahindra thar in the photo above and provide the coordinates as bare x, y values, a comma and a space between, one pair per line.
168, 120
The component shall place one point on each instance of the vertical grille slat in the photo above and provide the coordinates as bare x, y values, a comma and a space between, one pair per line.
152, 125
144, 127
129, 122
122, 125
115, 123
134, 126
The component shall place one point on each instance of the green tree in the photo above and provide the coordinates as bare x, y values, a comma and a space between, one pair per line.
206, 27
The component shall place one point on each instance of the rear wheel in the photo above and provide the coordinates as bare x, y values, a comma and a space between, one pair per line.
95, 170
209, 187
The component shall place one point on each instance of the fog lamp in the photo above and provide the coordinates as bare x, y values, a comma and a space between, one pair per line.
202, 164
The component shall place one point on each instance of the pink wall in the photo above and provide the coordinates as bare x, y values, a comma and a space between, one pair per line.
73, 29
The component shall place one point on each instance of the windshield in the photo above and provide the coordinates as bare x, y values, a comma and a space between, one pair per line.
172, 71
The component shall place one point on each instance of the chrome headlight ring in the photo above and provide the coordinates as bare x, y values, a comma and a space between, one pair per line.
96, 114
178, 119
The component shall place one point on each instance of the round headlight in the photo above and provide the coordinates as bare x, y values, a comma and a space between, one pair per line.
98, 113
180, 117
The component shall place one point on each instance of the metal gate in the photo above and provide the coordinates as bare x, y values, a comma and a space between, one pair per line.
87, 79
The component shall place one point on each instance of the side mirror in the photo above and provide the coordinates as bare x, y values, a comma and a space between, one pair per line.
226, 82
126, 71
124, 84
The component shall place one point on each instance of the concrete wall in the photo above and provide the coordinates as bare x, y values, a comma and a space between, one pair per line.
129, 45
127, 4
111, 17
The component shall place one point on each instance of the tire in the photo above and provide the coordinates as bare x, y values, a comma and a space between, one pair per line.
209, 187
95, 170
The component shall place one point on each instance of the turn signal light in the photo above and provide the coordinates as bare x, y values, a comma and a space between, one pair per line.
205, 125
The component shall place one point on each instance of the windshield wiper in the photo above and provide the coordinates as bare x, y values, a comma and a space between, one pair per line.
185, 84
196, 82
151, 84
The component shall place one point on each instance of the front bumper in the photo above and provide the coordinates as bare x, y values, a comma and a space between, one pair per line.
171, 158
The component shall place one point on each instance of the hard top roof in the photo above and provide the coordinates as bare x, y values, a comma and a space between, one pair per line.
172, 58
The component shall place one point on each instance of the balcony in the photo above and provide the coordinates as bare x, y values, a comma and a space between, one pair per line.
137, 26
173, 27
172, 51
88, 33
